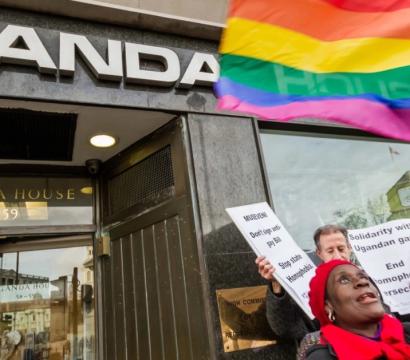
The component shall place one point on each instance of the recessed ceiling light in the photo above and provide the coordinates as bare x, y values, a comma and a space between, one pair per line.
103, 141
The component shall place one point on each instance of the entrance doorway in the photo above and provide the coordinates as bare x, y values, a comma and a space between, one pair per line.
152, 289
47, 298
138, 205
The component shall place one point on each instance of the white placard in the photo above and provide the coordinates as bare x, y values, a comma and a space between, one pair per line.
266, 235
384, 252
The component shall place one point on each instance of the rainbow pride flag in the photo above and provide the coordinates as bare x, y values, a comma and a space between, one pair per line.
346, 61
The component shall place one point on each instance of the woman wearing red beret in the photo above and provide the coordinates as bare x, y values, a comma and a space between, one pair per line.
353, 323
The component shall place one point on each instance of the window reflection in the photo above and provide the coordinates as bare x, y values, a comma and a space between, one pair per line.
47, 304
316, 180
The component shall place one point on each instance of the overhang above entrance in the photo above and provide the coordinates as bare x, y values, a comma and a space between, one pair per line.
126, 125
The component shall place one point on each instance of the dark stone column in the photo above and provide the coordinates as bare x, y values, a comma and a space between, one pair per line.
227, 173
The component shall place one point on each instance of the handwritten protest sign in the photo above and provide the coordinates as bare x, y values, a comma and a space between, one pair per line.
266, 235
384, 252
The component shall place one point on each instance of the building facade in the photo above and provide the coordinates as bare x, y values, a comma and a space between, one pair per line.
140, 256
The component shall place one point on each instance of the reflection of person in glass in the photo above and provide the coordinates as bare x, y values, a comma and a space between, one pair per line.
352, 317
8, 343
283, 314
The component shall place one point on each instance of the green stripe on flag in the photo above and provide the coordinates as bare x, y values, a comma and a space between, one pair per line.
279, 79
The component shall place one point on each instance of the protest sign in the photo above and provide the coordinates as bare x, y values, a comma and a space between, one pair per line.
267, 237
384, 252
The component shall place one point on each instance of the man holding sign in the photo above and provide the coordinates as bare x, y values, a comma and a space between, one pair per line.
283, 314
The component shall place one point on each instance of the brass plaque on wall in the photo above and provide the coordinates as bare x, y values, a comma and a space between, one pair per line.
242, 314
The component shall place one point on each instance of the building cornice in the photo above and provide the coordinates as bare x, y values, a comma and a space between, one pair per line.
99, 11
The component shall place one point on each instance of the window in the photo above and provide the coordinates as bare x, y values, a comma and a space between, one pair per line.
48, 313
317, 179
48, 201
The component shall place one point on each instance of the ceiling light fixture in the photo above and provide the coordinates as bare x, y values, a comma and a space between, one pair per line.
103, 141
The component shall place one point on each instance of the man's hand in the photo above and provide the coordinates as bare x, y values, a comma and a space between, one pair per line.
266, 270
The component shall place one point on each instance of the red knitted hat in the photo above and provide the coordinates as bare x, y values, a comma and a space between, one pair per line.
317, 289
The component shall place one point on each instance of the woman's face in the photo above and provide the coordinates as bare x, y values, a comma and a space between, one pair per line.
352, 297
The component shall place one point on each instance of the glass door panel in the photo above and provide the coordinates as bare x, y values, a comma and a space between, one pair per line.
47, 304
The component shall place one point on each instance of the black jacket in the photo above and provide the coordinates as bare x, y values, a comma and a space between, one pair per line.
286, 318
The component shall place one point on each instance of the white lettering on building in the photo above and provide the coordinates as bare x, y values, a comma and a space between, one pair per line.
203, 69
35, 54
167, 57
69, 43
195, 75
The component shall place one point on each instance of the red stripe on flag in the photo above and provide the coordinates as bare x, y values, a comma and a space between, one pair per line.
370, 5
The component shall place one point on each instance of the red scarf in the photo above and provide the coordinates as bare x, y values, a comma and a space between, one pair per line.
349, 346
